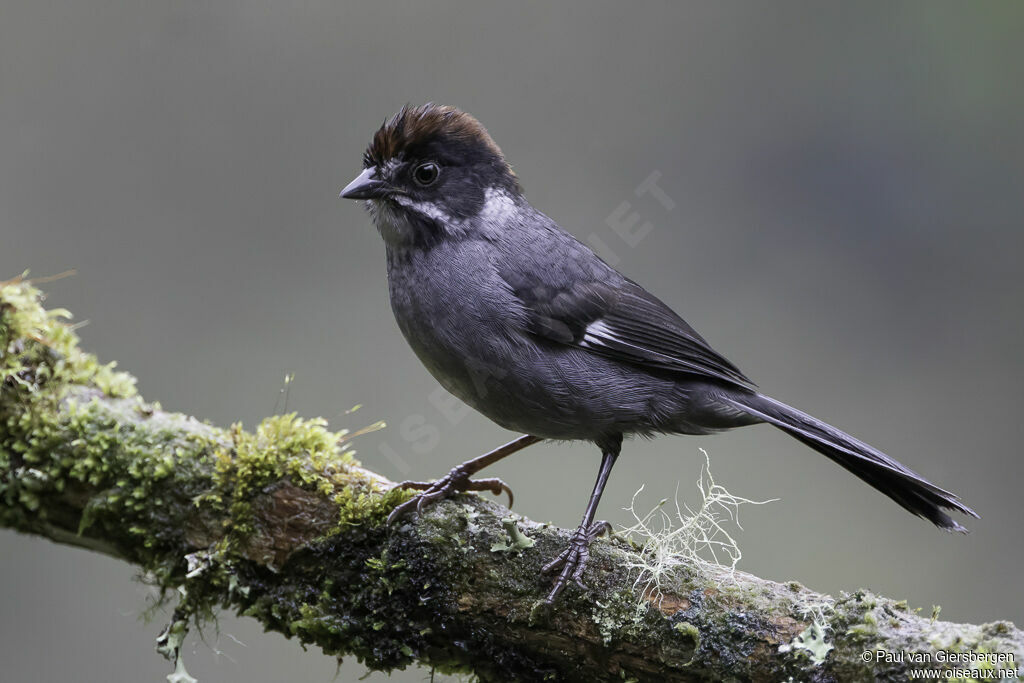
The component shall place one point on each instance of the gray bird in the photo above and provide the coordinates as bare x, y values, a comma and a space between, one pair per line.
527, 325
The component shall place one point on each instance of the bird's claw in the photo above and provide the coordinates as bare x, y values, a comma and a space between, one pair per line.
454, 482
599, 528
573, 560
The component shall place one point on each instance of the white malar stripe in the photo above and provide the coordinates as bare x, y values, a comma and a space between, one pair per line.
428, 209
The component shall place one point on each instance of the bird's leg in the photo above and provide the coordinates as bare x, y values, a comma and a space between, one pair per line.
573, 559
458, 479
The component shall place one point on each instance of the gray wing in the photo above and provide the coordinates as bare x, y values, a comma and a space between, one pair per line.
572, 302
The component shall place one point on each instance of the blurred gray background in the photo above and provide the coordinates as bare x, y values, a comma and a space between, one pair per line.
847, 190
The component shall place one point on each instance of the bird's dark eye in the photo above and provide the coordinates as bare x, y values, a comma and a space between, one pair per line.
426, 174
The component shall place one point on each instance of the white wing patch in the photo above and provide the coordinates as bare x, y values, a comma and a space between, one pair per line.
597, 332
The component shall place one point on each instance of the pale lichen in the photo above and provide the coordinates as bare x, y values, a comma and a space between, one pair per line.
686, 537
517, 540
811, 641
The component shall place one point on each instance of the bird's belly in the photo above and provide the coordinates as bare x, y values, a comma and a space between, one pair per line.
559, 393
470, 344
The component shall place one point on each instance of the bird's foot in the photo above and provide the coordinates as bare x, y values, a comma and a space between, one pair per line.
573, 559
454, 482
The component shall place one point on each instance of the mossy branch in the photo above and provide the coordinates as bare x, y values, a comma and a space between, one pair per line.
283, 525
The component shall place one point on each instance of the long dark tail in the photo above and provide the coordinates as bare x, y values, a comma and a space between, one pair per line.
903, 485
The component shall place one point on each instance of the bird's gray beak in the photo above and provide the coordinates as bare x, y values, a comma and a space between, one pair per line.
365, 186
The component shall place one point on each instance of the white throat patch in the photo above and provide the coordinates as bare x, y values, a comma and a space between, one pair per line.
498, 206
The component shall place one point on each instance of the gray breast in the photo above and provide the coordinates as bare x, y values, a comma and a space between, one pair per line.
467, 329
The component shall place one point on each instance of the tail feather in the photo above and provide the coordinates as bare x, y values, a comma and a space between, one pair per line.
906, 487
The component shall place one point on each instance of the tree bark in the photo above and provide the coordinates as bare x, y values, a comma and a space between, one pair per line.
284, 526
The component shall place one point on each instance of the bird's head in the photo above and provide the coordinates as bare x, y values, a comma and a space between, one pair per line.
432, 171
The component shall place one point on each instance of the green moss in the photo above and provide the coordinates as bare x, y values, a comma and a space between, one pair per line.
360, 503
46, 405
68, 421
37, 347
304, 452
689, 630
282, 447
